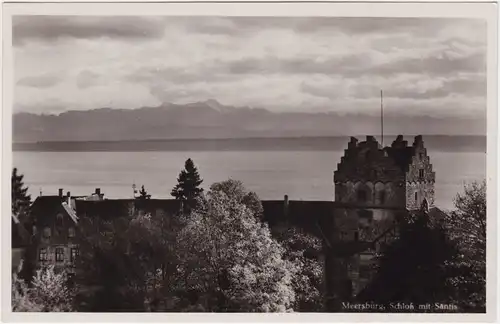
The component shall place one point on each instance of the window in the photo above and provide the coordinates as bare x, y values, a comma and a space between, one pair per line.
356, 236
382, 197
46, 232
362, 195
59, 220
71, 232
59, 254
421, 173
71, 279
421, 156
42, 254
74, 254
416, 196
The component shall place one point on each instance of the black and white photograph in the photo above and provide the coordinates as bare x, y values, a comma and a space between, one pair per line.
237, 163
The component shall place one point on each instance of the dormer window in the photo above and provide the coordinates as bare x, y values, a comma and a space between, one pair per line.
46, 232
71, 232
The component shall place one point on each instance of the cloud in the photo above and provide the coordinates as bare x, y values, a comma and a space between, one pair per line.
51, 28
433, 65
40, 81
86, 79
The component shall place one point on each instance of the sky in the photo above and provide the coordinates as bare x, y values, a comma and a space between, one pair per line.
426, 66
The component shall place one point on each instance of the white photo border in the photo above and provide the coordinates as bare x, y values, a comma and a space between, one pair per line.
443, 9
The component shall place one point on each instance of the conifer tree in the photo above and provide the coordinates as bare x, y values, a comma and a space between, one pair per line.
20, 199
143, 194
188, 183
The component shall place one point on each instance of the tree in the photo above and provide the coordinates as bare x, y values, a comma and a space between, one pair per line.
48, 292
236, 190
113, 265
303, 250
143, 194
467, 227
230, 262
188, 184
20, 199
415, 267
127, 263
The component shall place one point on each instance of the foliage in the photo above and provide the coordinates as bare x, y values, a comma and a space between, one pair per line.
467, 227
143, 194
48, 292
229, 261
303, 250
236, 190
126, 262
20, 199
414, 268
188, 184
109, 276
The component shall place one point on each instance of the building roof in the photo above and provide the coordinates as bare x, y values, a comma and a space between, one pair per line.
310, 214
398, 156
113, 208
401, 153
104, 209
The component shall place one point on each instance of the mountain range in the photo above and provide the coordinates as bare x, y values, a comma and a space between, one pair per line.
210, 119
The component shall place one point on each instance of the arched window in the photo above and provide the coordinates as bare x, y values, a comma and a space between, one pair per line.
382, 197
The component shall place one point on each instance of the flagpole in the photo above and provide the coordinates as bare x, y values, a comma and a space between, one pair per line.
382, 116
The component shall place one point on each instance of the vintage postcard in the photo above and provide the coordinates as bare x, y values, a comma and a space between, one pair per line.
324, 161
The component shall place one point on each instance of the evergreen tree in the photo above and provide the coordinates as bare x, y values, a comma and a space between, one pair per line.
20, 199
143, 194
188, 183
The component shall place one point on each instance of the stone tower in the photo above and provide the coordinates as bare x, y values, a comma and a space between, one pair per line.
399, 176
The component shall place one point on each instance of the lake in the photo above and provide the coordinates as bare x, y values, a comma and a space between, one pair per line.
302, 175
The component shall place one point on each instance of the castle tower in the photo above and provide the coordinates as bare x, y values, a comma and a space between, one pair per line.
399, 176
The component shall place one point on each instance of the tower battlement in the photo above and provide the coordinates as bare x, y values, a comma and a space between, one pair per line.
395, 176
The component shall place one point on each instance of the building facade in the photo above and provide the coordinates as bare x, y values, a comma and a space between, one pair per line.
395, 176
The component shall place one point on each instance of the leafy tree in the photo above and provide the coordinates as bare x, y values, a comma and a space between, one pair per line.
414, 268
20, 199
112, 269
467, 227
236, 190
230, 262
303, 250
48, 292
127, 263
143, 194
188, 184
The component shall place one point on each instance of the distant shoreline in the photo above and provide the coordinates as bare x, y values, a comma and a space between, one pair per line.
451, 143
